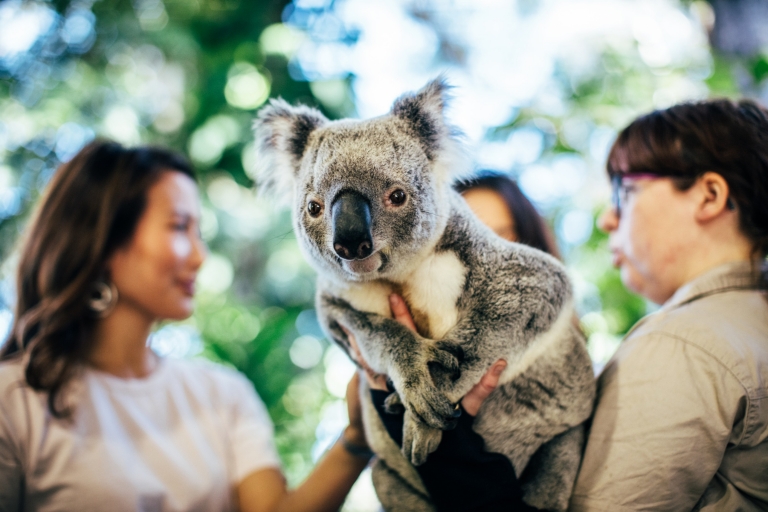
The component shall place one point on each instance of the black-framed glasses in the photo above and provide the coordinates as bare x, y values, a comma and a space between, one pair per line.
619, 188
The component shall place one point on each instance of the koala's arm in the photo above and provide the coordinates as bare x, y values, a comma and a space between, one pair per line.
405, 356
433, 375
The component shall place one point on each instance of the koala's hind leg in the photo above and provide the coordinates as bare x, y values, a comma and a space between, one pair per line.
549, 477
395, 494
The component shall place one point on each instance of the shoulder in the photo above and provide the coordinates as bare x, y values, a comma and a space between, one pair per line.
216, 384
12, 382
499, 263
727, 330
20, 405
11, 370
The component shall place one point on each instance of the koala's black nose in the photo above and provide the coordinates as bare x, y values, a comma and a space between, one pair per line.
351, 218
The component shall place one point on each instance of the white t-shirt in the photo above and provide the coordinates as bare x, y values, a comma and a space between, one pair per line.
180, 439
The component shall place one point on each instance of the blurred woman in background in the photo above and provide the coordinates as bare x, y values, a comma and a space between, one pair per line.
681, 421
90, 417
500, 204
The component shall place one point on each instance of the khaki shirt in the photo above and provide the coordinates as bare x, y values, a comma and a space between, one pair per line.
681, 421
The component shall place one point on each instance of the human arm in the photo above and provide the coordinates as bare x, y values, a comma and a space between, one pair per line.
665, 414
325, 488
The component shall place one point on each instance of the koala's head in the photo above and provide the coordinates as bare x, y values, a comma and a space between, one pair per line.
367, 196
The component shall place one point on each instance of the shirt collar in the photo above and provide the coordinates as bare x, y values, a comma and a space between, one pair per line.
737, 275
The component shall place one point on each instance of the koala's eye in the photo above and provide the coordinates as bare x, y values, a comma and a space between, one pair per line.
314, 208
397, 197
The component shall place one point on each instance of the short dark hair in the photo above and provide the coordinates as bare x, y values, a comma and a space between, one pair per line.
686, 140
90, 209
531, 228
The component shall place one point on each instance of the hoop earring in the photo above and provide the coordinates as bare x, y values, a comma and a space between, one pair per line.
103, 298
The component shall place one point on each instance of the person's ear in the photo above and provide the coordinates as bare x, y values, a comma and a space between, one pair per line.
714, 196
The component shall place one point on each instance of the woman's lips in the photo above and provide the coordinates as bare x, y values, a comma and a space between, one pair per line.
188, 286
615, 259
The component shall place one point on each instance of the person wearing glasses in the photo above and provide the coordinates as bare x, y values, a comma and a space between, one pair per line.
681, 421
91, 418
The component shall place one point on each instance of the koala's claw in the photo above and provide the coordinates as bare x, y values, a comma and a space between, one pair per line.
393, 404
424, 400
445, 359
454, 349
419, 440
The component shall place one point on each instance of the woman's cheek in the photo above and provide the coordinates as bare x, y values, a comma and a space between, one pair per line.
181, 247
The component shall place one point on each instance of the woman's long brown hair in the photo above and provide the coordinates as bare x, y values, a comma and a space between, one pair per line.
91, 207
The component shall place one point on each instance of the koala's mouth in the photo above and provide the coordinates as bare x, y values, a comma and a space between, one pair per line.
373, 263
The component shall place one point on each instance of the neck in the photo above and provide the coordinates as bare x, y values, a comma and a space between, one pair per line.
717, 246
121, 344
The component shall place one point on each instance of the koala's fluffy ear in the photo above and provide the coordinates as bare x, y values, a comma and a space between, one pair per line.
423, 113
282, 132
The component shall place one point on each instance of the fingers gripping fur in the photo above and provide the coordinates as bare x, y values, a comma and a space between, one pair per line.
281, 134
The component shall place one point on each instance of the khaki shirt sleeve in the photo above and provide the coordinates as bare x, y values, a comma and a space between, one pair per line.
661, 426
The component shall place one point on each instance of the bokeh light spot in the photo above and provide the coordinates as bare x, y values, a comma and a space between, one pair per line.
281, 39
338, 370
216, 274
246, 88
306, 352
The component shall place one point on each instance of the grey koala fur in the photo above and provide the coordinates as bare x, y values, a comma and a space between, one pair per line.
475, 298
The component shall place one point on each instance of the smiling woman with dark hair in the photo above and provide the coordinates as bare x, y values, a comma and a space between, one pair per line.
90, 417
681, 421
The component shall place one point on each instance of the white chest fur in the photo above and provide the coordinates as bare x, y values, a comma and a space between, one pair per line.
431, 292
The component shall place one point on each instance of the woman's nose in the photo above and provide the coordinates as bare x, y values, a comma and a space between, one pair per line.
199, 252
608, 220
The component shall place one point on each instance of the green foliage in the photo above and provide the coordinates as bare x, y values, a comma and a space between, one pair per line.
722, 82
760, 68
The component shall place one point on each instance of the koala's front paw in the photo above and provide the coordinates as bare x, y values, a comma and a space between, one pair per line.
422, 398
446, 355
393, 404
419, 439
418, 388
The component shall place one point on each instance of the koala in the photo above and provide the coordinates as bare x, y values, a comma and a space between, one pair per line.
375, 213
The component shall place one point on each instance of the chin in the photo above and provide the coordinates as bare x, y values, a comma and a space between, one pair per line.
647, 289
630, 280
181, 312
364, 270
